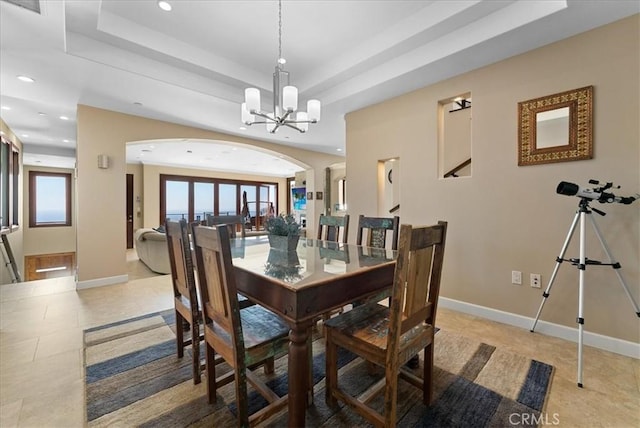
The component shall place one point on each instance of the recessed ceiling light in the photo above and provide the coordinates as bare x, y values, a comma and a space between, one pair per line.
26, 79
6, 108
65, 141
339, 150
42, 114
64, 118
25, 135
1, 132
164, 5
243, 128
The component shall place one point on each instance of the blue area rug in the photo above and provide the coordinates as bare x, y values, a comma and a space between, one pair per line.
133, 378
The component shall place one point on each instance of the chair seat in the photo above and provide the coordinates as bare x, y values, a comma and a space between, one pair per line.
368, 324
259, 325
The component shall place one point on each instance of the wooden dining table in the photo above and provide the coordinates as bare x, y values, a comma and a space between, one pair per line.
302, 285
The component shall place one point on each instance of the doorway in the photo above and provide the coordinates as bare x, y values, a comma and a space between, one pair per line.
129, 213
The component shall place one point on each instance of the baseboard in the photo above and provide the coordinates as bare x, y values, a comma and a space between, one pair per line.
619, 346
100, 282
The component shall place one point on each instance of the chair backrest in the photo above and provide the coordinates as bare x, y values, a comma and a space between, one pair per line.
375, 229
330, 227
232, 220
181, 263
218, 293
416, 283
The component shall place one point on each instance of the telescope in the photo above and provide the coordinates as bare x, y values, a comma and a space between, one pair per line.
596, 194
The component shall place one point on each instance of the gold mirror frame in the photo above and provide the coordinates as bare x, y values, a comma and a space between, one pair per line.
580, 144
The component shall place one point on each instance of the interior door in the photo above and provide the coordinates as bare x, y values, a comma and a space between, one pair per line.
129, 210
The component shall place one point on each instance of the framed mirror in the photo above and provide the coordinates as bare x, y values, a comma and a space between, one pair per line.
556, 128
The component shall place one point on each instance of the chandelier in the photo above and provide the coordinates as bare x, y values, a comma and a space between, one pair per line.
285, 99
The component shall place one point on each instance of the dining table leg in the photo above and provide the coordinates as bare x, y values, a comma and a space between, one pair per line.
298, 374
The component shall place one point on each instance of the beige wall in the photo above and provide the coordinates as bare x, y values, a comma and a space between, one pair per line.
506, 217
101, 233
151, 192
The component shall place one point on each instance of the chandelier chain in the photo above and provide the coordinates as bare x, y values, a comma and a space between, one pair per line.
279, 30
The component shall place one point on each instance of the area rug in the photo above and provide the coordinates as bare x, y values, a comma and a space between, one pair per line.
133, 378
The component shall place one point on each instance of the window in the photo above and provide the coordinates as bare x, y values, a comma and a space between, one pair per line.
192, 198
49, 199
9, 180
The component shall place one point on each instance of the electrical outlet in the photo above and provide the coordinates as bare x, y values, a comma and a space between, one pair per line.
535, 280
516, 277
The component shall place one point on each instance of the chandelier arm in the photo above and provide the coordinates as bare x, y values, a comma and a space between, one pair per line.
256, 122
288, 124
286, 115
302, 121
275, 128
264, 116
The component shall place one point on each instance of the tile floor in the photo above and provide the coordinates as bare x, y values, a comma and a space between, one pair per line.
41, 355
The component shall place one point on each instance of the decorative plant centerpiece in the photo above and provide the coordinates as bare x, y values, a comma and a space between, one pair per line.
284, 232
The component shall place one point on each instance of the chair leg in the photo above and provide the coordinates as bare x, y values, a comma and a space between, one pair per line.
269, 365
179, 334
195, 350
241, 397
211, 373
427, 375
391, 395
310, 365
331, 370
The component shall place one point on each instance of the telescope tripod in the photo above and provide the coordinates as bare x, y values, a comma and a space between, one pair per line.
582, 214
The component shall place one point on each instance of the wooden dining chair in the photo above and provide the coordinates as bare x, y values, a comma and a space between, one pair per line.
390, 336
243, 337
374, 230
184, 291
330, 227
233, 221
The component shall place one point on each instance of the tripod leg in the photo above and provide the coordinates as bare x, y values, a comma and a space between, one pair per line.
616, 266
581, 269
545, 294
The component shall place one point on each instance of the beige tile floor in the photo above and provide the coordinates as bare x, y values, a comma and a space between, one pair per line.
41, 357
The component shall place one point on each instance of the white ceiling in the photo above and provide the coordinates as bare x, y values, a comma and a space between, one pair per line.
191, 65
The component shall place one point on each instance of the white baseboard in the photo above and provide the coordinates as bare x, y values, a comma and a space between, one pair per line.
619, 346
100, 282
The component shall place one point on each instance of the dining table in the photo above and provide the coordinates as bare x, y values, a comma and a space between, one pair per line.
303, 283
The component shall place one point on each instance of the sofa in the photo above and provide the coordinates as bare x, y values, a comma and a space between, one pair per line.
151, 247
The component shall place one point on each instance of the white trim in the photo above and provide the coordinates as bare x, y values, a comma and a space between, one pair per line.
91, 283
607, 343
